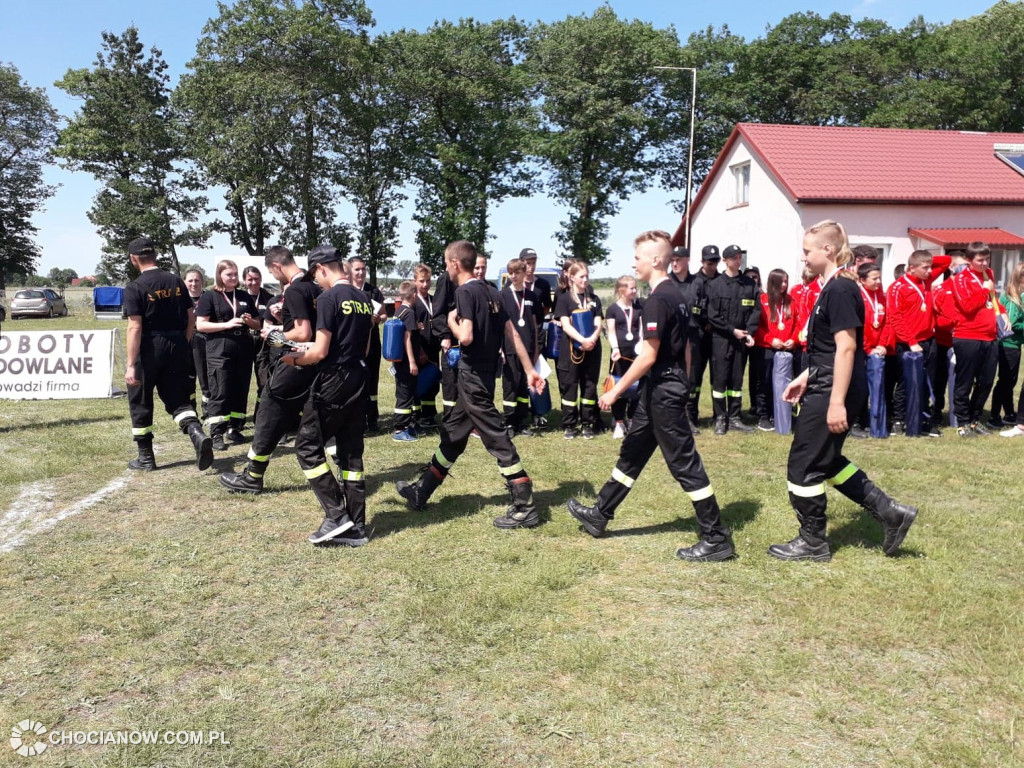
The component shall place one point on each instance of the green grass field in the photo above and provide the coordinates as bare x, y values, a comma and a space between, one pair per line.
171, 605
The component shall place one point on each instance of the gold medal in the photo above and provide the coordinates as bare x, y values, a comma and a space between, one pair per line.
782, 326
924, 306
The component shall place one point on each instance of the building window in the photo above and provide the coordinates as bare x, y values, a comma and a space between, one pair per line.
1003, 263
1012, 155
741, 184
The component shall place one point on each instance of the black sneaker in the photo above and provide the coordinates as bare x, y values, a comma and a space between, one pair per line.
966, 432
977, 429
859, 433
524, 432
588, 433
353, 537
898, 428
932, 430
570, 433
799, 549
995, 422
593, 522
706, 552
330, 529
765, 425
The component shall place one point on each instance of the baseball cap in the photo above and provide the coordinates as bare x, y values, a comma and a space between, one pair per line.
679, 252
710, 253
527, 253
732, 250
141, 246
322, 254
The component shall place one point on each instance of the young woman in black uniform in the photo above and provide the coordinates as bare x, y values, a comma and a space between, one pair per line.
832, 388
194, 281
623, 318
579, 370
226, 315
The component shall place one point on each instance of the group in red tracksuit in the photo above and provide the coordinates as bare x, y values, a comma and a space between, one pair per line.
912, 317
877, 333
945, 319
777, 331
974, 339
804, 296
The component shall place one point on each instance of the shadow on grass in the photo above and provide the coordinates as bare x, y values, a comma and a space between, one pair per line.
865, 532
62, 423
388, 521
735, 516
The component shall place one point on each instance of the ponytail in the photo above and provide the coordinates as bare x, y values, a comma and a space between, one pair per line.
834, 233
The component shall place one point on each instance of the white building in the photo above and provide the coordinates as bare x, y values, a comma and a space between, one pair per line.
896, 190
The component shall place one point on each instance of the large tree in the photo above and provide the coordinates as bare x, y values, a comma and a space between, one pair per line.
28, 132
605, 117
124, 135
473, 122
269, 139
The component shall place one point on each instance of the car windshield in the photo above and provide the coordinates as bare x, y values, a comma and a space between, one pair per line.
28, 295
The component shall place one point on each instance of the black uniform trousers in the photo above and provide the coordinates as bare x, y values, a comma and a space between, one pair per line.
729, 356
816, 456
941, 380
762, 367
1002, 394
624, 408
373, 379
515, 393
336, 407
406, 406
229, 367
661, 422
975, 372
261, 367
163, 364
198, 354
475, 409
284, 396
577, 385
449, 385
428, 402
700, 356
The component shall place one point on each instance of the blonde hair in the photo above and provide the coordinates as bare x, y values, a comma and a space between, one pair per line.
420, 270
652, 236
407, 290
222, 266
1015, 285
622, 283
833, 233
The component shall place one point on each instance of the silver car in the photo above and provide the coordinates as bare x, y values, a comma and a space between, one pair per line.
38, 302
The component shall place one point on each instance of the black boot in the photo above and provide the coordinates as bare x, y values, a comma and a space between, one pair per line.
799, 549
250, 480
217, 436
522, 513
203, 445
895, 518
418, 494
590, 518
721, 425
737, 425
705, 551
145, 461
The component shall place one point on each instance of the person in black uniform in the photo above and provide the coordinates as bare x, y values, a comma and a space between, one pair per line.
520, 304
623, 322
194, 281
226, 315
357, 274
337, 400
700, 345
687, 286
443, 304
479, 323
832, 389
287, 387
579, 357
733, 315
408, 368
430, 346
253, 280
543, 305
660, 420
160, 324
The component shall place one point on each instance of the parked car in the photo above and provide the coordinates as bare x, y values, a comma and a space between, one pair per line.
38, 302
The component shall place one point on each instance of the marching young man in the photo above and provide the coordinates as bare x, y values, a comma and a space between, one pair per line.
831, 392
480, 324
336, 406
287, 386
160, 325
660, 420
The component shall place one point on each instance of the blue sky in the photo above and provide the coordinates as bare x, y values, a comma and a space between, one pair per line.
44, 38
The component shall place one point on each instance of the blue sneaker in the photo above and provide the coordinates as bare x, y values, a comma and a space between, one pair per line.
405, 436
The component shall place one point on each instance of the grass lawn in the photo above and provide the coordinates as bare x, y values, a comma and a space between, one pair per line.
169, 604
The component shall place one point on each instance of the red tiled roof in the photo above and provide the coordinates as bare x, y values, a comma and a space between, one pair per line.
832, 164
991, 236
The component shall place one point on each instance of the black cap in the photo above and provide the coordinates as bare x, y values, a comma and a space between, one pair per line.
679, 252
322, 254
527, 253
732, 250
710, 253
141, 246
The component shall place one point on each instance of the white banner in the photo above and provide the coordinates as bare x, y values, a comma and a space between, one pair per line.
56, 365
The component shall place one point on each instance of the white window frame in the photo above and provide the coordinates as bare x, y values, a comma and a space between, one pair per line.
740, 183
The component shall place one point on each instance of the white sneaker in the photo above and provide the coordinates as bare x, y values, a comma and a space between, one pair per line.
1014, 431
620, 431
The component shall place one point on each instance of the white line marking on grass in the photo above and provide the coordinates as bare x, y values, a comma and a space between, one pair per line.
34, 507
